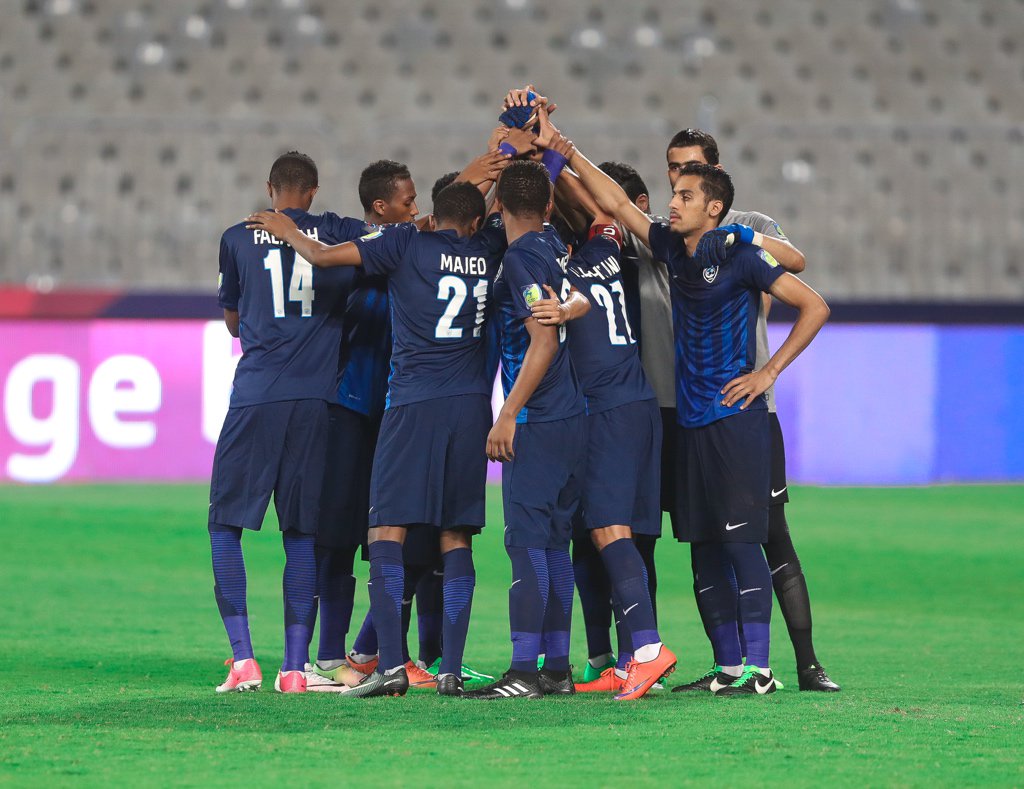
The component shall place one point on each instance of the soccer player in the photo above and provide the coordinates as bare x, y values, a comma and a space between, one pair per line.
623, 420
388, 195
429, 467
694, 145
288, 318
540, 435
724, 434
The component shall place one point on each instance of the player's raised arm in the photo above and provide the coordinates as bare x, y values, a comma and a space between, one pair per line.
813, 312
316, 252
608, 195
539, 354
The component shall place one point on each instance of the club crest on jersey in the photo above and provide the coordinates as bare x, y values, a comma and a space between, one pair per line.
766, 256
372, 235
710, 273
531, 295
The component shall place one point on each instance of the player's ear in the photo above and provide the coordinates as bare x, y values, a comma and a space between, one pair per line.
270, 192
549, 209
431, 223
379, 207
474, 225
715, 208
643, 202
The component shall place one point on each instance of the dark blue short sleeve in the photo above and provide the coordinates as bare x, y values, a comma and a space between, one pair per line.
382, 249
756, 267
525, 274
229, 289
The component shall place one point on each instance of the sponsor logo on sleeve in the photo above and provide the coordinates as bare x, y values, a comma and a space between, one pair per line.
531, 295
766, 256
778, 231
220, 280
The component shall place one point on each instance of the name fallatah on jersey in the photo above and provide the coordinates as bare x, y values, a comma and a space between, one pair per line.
263, 237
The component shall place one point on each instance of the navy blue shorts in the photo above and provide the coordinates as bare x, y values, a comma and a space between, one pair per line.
780, 488
431, 464
345, 498
723, 480
542, 485
277, 448
623, 480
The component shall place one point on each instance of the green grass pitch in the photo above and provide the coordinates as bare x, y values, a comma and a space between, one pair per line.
110, 647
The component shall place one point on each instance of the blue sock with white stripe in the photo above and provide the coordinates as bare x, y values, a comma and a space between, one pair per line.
755, 599
387, 582
629, 579
459, 582
299, 587
229, 587
558, 616
527, 600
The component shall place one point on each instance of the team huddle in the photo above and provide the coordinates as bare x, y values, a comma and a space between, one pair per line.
632, 352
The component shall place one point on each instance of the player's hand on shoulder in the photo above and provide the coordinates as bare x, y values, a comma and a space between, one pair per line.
747, 386
274, 222
550, 311
500, 439
743, 233
712, 248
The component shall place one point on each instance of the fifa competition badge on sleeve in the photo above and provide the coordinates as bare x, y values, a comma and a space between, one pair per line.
531, 294
766, 256
376, 233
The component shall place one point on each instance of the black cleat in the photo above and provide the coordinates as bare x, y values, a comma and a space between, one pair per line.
556, 683
377, 684
513, 685
751, 683
713, 681
815, 678
450, 685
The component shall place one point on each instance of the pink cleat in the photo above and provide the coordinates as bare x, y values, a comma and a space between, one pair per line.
290, 682
244, 675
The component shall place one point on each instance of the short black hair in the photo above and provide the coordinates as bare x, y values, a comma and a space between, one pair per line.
379, 181
715, 183
459, 203
689, 138
441, 183
294, 170
627, 177
524, 188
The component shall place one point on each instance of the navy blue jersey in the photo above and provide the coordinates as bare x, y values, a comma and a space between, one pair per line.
714, 311
439, 285
533, 260
290, 314
366, 346
602, 344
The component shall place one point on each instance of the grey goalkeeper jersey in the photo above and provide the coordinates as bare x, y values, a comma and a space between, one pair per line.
657, 351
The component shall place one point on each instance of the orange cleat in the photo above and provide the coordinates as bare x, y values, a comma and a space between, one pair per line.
243, 675
419, 678
641, 677
608, 682
363, 668
290, 682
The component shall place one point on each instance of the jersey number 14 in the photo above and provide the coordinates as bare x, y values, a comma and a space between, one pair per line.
300, 288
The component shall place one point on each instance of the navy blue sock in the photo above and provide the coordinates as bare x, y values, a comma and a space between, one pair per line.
558, 615
413, 574
716, 601
387, 582
366, 638
429, 617
229, 587
645, 543
755, 599
527, 601
299, 586
622, 635
459, 582
629, 579
336, 588
595, 597
730, 573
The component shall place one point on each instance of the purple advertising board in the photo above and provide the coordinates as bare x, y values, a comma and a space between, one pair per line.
865, 404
